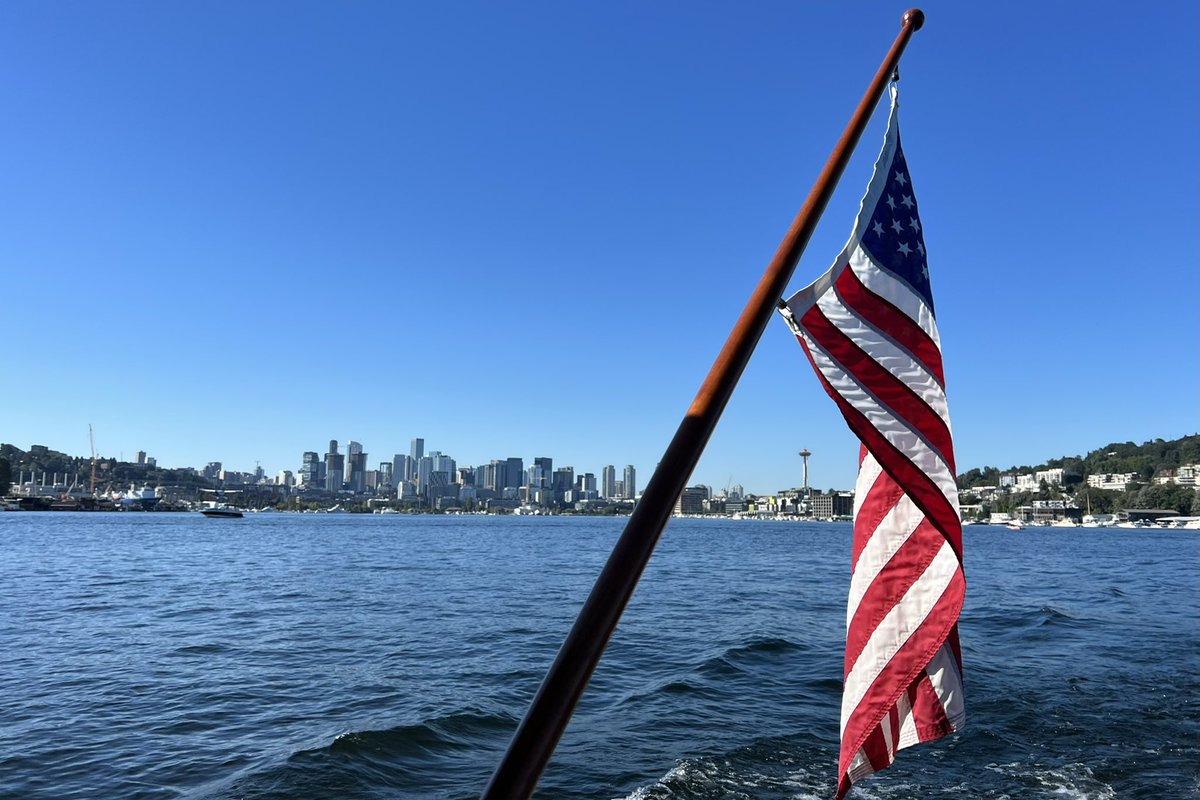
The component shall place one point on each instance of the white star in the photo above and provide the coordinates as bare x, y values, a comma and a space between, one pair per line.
891, 203
907, 201
920, 248
896, 226
900, 179
904, 248
878, 228
925, 272
912, 223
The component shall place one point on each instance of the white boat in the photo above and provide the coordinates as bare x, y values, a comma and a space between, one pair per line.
136, 499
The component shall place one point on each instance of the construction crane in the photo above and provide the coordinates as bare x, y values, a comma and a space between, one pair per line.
92, 442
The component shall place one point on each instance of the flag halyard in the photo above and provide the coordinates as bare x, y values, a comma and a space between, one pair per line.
868, 329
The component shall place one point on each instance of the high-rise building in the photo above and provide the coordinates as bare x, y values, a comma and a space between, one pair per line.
335, 468
514, 473
547, 467
310, 469
356, 472
608, 482
630, 482
487, 475
384, 482
564, 482
417, 449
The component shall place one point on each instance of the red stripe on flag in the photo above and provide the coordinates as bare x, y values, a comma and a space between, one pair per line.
928, 713
920, 487
886, 388
896, 677
888, 588
881, 497
886, 317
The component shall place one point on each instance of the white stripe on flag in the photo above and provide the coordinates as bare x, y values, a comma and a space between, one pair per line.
901, 436
896, 292
883, 351
894, 529
896, 627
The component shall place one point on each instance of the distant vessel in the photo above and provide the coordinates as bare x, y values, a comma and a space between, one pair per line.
221, 510
142, 499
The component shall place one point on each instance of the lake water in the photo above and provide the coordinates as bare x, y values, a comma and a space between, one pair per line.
346, 656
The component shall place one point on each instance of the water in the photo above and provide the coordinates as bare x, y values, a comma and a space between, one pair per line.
323, 656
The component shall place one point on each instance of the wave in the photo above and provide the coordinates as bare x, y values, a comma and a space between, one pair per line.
439, 752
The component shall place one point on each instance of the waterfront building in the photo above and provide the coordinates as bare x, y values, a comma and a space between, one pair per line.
832, 506
691, 500
630, 482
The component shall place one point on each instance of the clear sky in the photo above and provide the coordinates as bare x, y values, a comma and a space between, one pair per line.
235, 231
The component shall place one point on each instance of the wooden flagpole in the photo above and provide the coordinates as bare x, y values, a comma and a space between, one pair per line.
547, 717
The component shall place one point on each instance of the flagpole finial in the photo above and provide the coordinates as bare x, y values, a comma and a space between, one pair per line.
916, 15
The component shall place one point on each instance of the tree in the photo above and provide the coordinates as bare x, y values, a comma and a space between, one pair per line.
1166, 495
5, 476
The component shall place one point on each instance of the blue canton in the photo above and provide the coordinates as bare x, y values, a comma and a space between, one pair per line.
894, 236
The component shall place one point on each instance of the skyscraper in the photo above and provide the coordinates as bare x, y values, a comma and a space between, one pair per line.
514, 474
608, 482
630, 482
417, 449
334, 468
356, 476
547, 467
310, 469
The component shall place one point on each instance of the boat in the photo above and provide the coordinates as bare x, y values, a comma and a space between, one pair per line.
136, 499
221, 510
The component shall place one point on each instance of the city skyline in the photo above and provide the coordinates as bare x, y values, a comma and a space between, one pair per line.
235, 229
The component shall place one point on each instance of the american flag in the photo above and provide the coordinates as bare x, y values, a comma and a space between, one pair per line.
868, 328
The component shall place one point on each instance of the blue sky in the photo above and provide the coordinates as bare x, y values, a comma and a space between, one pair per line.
234, 231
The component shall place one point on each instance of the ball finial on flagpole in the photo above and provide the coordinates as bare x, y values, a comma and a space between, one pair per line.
916, 15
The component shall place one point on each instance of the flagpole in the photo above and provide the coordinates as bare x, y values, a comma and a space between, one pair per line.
547, 717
